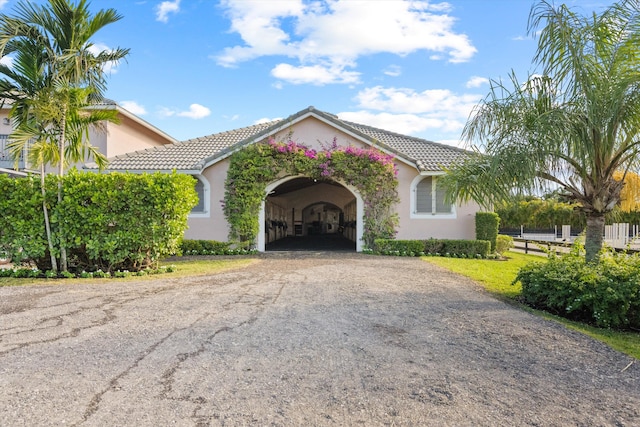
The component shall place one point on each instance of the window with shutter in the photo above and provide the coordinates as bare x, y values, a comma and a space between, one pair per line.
430, 198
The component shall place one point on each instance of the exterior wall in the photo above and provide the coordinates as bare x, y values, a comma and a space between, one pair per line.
317, 134
125, 137
460, 225
116, 139
211, 225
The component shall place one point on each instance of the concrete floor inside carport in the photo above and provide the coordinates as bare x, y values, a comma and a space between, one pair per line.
313, 242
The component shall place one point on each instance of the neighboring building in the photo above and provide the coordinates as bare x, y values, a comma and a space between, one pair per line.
306, 206
131, 133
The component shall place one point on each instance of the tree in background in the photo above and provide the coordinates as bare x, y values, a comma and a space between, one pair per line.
630, 194
572, 127
62, 76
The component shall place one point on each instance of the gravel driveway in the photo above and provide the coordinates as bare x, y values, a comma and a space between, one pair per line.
322, 339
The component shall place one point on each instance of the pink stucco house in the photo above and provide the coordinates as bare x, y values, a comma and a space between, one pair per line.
131, 133
298, 206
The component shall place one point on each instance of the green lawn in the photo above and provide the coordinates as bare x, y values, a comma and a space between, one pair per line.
496, 277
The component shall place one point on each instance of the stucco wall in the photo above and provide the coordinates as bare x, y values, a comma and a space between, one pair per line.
460, 225
314, 133
125, 137
211, 225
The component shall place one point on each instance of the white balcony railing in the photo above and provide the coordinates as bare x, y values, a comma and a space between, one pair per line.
6, 161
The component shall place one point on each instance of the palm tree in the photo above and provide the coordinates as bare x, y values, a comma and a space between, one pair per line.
60, 32
569, 128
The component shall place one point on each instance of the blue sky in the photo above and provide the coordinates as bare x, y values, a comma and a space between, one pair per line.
199, 67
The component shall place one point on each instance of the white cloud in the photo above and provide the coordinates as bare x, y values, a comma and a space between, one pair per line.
393, 70
3, 3
7, 60
165, 8
314, 74
477, 81
406, 124
330, 34
98, 48
406, 111
406, 100
265, 120
196, 111
133, 107
166, 112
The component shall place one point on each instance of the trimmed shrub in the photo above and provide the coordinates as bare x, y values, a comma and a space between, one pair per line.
468, 248
503, 243
434, 246
391, 246
110, 222
605, 293
461, 248
22, 231
214, 247
487, 224
203, 247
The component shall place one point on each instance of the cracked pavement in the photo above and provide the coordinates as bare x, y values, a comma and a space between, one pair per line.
315, 339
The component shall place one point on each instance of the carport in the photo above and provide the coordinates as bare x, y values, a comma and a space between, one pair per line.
301, 213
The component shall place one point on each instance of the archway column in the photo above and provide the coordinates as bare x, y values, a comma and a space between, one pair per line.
261, 243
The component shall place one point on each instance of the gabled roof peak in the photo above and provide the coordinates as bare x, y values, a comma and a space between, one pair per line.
197, 153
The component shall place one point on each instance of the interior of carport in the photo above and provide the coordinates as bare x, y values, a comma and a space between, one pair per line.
307, 214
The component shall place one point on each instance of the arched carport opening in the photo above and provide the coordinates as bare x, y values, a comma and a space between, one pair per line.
300, 213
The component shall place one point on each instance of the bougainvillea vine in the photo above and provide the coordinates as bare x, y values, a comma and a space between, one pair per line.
369, 170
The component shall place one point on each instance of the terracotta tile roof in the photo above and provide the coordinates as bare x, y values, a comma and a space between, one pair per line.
194, 154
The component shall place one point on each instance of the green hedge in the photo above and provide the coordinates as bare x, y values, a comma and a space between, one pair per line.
605, 293
444, 247
487, 224
214, 247
109, 222
22, 231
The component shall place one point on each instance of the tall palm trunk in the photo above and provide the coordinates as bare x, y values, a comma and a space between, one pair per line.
63, 249
47, 225
594, 235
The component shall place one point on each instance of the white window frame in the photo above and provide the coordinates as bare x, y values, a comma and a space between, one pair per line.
206, 213
414, 202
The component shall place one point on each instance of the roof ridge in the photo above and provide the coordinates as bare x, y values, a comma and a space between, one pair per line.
131, 153
232, 131
414, 138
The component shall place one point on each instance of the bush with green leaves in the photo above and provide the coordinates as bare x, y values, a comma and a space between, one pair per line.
445, 247
503, 243
487, 224
533, 212
110, 222
214, 247
399, 247
22, 231
605, 293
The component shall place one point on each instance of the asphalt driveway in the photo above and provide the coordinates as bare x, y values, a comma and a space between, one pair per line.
322, 339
